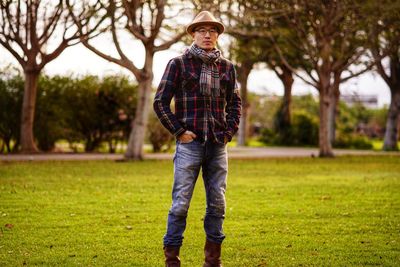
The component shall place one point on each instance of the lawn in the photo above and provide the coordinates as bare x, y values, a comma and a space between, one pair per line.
281, 212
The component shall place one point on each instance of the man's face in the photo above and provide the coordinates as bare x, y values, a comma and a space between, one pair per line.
205, 37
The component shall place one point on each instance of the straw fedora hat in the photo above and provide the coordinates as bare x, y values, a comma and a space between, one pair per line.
205, 18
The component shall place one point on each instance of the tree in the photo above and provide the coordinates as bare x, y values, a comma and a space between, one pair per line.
144, 21
245, 52
244, 63
27, 30
384, 43
247, 20
328, 36
282, 34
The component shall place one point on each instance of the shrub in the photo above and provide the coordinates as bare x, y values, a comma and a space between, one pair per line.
85, 109
352, 141
268, 136
11, 95
51, 111
117, 105
302, 131
100, 111
160, 138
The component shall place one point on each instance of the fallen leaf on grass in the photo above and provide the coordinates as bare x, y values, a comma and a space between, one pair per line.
128, 227
325, 198
9, 225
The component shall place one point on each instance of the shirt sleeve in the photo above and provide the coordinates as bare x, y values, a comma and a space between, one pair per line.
163, 97
233, 106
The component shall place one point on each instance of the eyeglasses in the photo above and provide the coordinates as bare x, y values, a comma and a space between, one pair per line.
203, 32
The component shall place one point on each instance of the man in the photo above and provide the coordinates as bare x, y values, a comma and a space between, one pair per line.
207, 113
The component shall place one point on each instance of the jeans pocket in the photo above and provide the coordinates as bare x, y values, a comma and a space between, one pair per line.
183, 143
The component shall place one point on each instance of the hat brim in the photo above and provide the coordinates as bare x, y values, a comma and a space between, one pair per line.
220, 27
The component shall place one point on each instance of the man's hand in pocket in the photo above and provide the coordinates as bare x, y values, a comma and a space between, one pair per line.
187, 137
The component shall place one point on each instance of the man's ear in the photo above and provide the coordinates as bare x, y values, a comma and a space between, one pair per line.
192, 34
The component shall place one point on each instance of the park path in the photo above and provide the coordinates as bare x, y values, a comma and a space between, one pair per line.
233, 152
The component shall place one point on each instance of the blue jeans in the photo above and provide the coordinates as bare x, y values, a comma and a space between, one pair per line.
189, 158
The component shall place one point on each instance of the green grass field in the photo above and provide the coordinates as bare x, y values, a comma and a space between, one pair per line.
280, 212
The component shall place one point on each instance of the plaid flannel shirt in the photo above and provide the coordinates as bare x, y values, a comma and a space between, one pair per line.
208, 117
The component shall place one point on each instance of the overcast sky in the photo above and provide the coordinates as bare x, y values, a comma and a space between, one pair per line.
78, 60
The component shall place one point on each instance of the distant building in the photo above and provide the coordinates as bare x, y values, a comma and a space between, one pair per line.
368, 101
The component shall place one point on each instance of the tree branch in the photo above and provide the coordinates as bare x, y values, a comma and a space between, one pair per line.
291, 68
51, 26
352, 75
155, 29
13, 52
124, 63
168, 44
32, 29
132, 26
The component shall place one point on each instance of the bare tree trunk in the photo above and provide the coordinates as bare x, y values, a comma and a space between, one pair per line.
136, 137
391, 133
287, 80
325, 147
28, 112
283, 121
243, 75
325, 100
333, 113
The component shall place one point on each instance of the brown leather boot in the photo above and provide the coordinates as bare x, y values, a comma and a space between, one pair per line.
212, 252
172, 257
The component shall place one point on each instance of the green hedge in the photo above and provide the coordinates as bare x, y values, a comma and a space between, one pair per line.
11, 94
303, 130
87, 110
353, 141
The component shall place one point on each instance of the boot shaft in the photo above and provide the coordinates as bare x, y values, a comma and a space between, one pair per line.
172, 257
212, 253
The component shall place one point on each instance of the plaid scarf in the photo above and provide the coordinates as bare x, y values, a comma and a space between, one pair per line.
209, 76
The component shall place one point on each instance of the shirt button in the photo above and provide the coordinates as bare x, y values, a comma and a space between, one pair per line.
208, 105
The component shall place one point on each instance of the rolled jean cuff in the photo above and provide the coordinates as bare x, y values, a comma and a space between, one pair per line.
215, 240
173, 245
